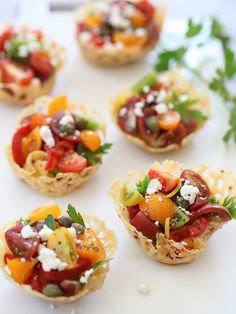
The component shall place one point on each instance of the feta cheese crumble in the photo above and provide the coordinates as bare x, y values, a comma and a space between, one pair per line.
123, 112
189, 193
47, 136
85, 277
153, 186
146, 89
72, 231
143, 288
138, 112
161, 108
27, 232
85, 36
66, 120
49, 259
45, 232
150, 98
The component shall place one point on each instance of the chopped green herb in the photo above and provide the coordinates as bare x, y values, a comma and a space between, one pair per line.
93, 157
230, 204
186, 112
149, 79
167, 57
213, 200
100, 264
50, 222
76, 216
193, 28
142, 186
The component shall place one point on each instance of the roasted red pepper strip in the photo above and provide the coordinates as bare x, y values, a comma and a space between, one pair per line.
16, 145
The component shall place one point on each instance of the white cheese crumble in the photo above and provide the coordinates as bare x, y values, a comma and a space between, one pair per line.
85, 277
27, 232
46, 135
52, 306
189, 193
170, 105
140, 104
66, 120
49, 259
116, 19
162, 95
45, 233
150, 98
72, 231
183, 97
138, 112
123, 112
157, 223
161, 108
140, 32
85, 36
143, 288
129, 10
153, 186
146, 89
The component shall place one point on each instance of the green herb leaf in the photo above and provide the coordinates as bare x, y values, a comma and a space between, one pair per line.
230, 204
166, 57
230, 63
76, 216
193, 28
142, 185
50, 222
23, 221
93, 157
217, 32
185, 111
100, 264
213, 200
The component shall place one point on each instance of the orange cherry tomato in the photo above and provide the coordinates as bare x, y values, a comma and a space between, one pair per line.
31, 142
158, 207
93, 21
37, 120
129, 40
43, 211
169, 120
90, 139
90, 246
138, 19
21, 271
58, 104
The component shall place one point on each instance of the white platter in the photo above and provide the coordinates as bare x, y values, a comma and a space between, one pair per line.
207, 285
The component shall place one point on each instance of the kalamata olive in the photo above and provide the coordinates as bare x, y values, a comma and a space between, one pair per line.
65, 221
69, 287
78, 228
52, 290
80, 122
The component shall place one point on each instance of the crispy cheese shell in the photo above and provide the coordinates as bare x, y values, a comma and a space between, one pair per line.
102, 56
16, 94
166, 251
97, 278
182, 87
33, 171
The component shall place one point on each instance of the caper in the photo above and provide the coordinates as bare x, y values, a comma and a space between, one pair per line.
52, 290
78, 227
180, 201
65, 221
80, 123
152, 124
68, 128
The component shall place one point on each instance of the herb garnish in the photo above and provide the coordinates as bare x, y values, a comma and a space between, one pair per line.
142, 185
185, 111
222, 76
76, 216
230, 204
100, 264
93, 157
50, 222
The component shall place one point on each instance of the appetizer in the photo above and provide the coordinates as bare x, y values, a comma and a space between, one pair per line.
114, 32
172, 211
29, 62
160, 113
57, 145
57, 257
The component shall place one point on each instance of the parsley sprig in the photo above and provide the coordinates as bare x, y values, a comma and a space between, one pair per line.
142, 185
50, 222
229, 203
223, 75
185, 111
76, 216
93, 157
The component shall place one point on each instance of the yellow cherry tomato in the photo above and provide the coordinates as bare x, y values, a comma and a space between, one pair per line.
90, 246
58, 104
90, 139
31, 142
43, 211
158, 207
138, 19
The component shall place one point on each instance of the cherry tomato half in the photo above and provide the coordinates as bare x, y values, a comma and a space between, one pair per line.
204, 192
26, 248
16, 145
4, 37
212, 209
40, 62
14, 72
169, 121
72, 162
168, 181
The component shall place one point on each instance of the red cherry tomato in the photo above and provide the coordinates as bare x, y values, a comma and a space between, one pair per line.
16, 145
98, 40
168, 181
52, 161
146, 8
144, 132
14, 72
204, 192
56, 276
9, 256
26, 248
132, 210
4, 37
212, 209
128, 121
146, 226
72, 162
41, 63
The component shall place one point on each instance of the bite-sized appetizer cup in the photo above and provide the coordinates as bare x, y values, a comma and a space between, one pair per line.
112, 33
172, 212
161, 112
57, 145
29, 62
57, 257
